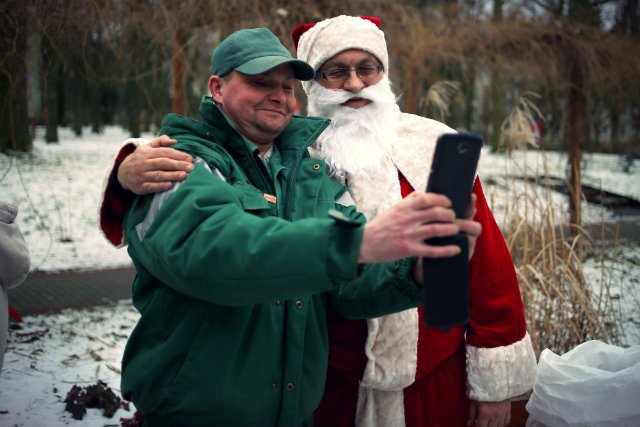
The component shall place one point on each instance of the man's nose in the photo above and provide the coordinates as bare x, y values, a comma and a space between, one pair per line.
278, 95
353, 82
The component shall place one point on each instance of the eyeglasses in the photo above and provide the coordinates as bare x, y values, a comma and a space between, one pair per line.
339, 75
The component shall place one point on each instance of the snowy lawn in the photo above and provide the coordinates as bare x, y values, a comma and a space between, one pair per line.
48, 355
57, 188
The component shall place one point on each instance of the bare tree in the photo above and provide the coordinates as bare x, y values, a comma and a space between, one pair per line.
14, 123
581, 62
150, 52
497, 89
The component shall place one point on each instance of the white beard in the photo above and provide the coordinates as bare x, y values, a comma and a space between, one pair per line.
358, 139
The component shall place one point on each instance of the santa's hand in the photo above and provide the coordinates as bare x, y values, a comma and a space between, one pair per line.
401, 231
472, 230
154, 167
470, 227
489, 414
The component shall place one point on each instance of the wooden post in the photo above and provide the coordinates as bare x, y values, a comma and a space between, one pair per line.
178, 73
576, 135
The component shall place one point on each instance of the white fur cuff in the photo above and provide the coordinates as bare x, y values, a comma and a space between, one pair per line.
500, 373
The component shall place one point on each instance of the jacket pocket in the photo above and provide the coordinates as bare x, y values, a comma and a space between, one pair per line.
254, 201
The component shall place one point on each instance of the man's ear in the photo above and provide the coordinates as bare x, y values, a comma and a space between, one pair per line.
215, 84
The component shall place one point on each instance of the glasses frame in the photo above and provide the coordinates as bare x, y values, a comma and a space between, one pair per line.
323, 74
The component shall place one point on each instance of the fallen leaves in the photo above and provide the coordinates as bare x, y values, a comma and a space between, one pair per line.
98, 396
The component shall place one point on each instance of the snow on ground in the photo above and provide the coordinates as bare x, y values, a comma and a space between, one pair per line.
57, 188
50, 354
600, 171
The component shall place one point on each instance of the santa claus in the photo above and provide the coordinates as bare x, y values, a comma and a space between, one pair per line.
389, 371
393, 371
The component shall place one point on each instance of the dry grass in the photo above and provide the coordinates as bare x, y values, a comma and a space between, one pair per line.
439, 97
562, 309
563, 306
517, 129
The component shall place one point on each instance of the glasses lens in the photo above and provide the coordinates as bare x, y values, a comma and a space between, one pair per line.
337, 74
367, 71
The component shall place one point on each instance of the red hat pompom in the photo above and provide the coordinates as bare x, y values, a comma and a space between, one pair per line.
298, 31
373, 19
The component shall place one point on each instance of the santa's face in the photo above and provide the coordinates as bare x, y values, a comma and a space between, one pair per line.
358, 138
351, 70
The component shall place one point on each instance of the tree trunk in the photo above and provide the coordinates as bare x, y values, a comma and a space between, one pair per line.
469, 90
411, 86
132, 103
95, 111
497, 92
35, 108
53, 69
614, 117
14, 120
178, 68
584, 13
630, 18
77, 97
576, 109
497, 109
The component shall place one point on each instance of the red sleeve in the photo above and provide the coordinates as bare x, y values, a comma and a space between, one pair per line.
497, 311
115, 201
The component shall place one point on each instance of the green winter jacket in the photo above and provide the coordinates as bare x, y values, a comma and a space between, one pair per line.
233, 289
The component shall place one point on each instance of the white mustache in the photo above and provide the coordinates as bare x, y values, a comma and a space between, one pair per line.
340, 96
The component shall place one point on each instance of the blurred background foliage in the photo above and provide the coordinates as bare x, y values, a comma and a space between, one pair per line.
81, 63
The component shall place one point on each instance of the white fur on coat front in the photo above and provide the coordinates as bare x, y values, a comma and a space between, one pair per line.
392, 341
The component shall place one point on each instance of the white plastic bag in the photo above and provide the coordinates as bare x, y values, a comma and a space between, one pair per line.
594, 384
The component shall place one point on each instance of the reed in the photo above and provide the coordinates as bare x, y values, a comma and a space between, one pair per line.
564, 306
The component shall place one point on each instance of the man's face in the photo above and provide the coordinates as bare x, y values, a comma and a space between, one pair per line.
260, 106
357, 70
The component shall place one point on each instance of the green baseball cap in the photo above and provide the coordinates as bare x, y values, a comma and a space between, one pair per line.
255, 51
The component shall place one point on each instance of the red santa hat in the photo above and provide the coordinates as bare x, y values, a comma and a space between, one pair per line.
316, 43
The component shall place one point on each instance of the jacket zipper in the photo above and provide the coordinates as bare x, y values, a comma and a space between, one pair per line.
289, 193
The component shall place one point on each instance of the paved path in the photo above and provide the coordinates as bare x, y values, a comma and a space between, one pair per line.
45, 292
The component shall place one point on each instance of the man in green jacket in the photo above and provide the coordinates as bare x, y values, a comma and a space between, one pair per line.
237, 264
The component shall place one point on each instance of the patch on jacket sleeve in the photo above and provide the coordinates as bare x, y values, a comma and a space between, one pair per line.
160, 198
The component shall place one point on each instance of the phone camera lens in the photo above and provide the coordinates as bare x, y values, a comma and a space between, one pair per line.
463, 147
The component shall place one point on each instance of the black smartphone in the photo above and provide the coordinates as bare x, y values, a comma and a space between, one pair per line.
446, 280
453, 168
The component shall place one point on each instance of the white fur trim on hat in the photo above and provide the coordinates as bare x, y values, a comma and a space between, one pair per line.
332, 36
